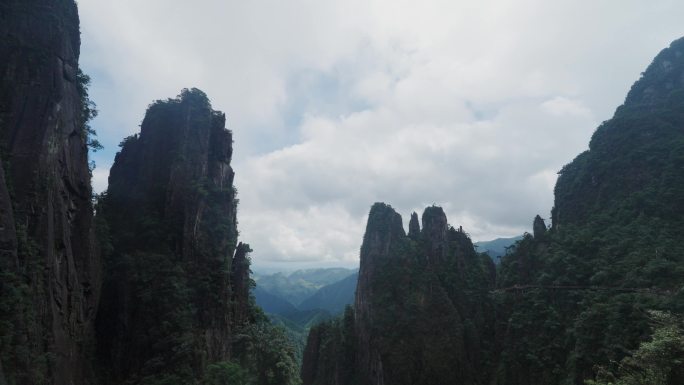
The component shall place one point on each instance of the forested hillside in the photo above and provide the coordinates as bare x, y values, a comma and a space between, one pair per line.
616, 237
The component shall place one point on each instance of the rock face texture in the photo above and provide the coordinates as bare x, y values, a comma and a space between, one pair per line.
173, 259
49, 265
411, 296
382, 241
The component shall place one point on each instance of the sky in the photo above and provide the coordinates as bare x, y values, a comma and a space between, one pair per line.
334, 105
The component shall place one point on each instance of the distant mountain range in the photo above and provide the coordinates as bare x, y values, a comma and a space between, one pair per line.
496, 248
299, 285
333, 297
304, 298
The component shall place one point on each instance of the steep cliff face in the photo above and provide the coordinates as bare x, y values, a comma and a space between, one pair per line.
171, 212
615, 239
412, 295
49, 267
633, 165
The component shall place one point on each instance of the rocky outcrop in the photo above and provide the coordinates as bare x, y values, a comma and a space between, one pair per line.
312, 354
383, 239
538, 227
421, 306
49, 265
240, 283
175, 176
414, 226
435, 233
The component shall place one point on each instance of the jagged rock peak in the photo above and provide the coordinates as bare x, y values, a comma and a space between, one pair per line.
180, 158
435, 231
434, 220
175, 178
414, 226
383, 224
241, 283
538, 227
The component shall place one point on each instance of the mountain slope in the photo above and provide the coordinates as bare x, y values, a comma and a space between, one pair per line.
496, 248
617, 225
272, 304
333, 297
321, 277
301, 284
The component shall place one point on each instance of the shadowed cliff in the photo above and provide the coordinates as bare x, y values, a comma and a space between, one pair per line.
171, 213
408, 325
49, 266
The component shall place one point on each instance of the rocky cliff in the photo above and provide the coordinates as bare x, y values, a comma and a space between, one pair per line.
50, 268
175, 306
412, 294
171, 212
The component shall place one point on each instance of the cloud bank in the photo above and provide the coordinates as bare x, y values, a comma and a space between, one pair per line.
471, 105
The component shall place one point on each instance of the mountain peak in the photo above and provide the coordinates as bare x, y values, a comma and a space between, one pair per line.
662, 77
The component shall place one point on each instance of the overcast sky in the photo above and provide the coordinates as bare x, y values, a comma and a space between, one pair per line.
472, 105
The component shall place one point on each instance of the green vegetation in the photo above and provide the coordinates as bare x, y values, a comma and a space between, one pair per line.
225, 373
88, 112
269, 355
614, 252
659, 361
334, 342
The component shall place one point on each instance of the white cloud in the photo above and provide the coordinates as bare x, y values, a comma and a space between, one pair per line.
473, 105
100, 176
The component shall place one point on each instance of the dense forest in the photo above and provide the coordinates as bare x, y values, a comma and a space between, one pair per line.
596, 298
149, 282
